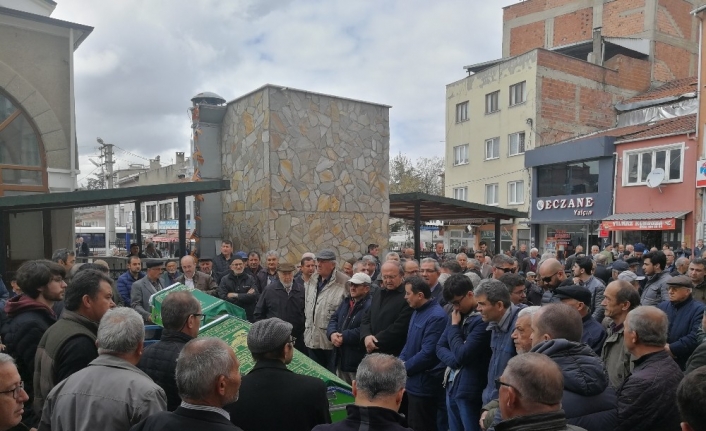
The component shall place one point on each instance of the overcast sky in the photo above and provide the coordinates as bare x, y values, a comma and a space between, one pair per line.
145, 60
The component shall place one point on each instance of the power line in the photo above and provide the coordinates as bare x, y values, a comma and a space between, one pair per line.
131, 154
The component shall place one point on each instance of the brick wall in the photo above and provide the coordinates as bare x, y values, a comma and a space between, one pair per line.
623, 18
526, 38
573, 27
531, 6
671, 62
674, 18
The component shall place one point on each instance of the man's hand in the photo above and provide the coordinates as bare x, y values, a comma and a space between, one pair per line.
337, 339
482, 419
370, 345
251, 291
455, 317
232, 295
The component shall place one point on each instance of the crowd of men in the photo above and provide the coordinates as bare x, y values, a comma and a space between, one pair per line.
509, 342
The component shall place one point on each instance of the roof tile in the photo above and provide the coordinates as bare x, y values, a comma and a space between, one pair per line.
675, 88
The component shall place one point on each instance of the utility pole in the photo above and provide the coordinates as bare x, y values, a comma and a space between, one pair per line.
107, 152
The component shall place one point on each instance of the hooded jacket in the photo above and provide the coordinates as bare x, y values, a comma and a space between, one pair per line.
589, 401
27, 321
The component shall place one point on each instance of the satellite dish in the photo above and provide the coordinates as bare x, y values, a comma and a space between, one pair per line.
655, 178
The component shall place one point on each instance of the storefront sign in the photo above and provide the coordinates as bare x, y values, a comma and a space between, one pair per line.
664, 224
701, 173
577, 204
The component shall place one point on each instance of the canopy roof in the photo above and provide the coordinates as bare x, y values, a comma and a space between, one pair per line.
441, 208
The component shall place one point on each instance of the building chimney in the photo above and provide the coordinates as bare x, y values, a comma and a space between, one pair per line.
597, 54
179, 157
154, 163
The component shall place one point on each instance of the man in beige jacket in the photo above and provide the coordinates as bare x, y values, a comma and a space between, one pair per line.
323, 294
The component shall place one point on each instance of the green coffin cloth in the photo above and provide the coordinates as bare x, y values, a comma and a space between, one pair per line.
234, 331
211, 307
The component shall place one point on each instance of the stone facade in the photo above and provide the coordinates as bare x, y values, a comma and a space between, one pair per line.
308, 171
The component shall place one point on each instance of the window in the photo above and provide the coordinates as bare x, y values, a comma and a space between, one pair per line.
516, 142
461, 193
492, 148
461, 155
22, 165
462, 112
176, 210
639, 164
517, 93
491, 194
516, 192
491, 102
567, 179
165, 211
151, 211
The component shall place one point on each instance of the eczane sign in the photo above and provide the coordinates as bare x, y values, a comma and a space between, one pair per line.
579, 205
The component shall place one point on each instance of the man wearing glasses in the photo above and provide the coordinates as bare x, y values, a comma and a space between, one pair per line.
181, 317
502, 264
12, 393
551, 273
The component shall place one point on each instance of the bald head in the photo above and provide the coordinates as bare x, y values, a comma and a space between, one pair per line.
551, 265
554, 321
188, 266
651, 325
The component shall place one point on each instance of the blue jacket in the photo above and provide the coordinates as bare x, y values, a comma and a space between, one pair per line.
503, 350
589, 401
424, 370
125, 285
466, 349
594, 334
684, 322
352, 351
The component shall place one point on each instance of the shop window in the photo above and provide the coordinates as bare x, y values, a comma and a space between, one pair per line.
567, 179
639, 164
492, 148
21, 152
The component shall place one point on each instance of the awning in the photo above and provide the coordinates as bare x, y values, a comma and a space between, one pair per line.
666, 220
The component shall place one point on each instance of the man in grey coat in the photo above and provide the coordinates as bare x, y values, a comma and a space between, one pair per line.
111, 393
145, 287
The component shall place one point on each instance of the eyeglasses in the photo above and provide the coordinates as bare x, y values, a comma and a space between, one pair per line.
201, 316
292, 340
548, 279
16, 392
499, 383
505, 270
458, 302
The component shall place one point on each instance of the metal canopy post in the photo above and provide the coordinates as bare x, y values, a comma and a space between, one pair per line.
417, 228
138, 226
497, 237
181, 200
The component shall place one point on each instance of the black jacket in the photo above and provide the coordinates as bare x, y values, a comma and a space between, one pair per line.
603, 273
27, 322
555, 421
272, 398
274, 302
240, 284
367, 418
221, 266
589, 400
159, 362
647, 399
185, 420
388, 320
347, 321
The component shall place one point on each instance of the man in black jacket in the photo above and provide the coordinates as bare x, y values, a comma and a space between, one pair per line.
239, 288
647, 398
221, 263
29, 316
284, 299
272, 398
344, 327
208, 378
181, 317
378, 389
385, 324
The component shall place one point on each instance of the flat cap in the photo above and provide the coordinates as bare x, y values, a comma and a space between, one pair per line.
630, 276
206, 259
285, 267
360, 278
620, 266
154, 263
269, 334
326, 254
680, 281
633, 261
576, 292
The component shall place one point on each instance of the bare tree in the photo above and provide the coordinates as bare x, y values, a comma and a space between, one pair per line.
422, 176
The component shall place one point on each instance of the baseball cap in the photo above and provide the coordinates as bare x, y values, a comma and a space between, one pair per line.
360, 278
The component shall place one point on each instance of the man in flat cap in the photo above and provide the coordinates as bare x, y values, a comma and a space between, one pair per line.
579, 297
272, 398
324, 292
145, 287
631, 278
684, 314
206, 266
284, 299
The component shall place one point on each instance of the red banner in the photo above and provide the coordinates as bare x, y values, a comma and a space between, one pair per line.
664, 224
